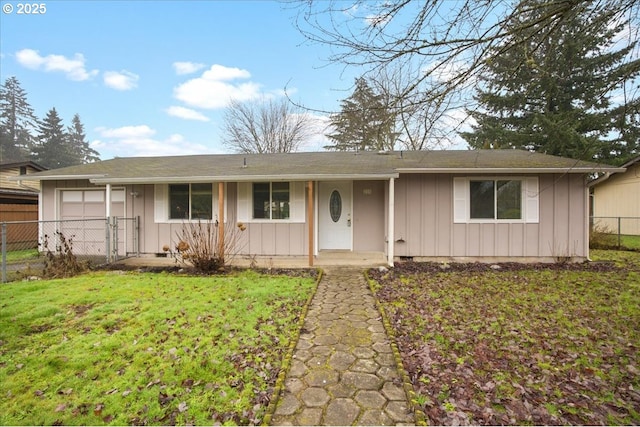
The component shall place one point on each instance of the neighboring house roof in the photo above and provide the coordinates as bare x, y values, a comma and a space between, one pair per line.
17, 164
606, 176
317, 165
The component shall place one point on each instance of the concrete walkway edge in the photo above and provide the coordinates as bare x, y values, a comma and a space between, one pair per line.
286, 361
420, 416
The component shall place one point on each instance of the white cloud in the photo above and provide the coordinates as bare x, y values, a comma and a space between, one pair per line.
215, 88
74, 68
121, 80
138, 141
126, 132
187, 67
186, 113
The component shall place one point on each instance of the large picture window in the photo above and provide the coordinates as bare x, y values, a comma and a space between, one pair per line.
495, 199
271, 200
190, 201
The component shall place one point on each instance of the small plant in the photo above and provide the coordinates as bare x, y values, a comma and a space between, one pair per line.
602, 237
62, 262
199, 245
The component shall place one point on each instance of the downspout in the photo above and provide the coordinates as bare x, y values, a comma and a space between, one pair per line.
391, 232
587, 234
108, 216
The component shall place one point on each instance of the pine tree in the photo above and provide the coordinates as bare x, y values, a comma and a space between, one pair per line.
76, 140
364, 122
559, 101
52, 149
17, 121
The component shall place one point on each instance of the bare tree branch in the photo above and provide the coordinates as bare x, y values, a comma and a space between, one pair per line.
265, 126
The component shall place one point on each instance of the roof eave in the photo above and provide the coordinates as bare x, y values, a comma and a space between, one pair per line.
52, 177
240, 178
507, 170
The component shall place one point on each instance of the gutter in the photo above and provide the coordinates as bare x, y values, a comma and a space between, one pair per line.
508, 170
240, 178
53, 177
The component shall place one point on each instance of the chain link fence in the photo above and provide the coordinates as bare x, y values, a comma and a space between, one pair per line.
615, 231
98, 241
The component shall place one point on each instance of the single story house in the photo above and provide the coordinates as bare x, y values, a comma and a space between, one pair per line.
616, 199
485, 205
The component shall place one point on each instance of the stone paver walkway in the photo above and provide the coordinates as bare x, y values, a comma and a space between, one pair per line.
343, 370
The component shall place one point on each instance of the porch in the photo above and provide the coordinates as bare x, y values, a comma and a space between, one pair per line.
324, 259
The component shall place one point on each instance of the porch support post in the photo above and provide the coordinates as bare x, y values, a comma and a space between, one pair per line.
310, 222
108, 201
391, 232
221, 220
107, 213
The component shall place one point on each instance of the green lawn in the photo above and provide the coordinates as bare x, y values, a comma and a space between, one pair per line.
520, 345
22, 255
122, 349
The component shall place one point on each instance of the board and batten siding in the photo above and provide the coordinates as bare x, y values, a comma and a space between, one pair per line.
619, 196
425, 225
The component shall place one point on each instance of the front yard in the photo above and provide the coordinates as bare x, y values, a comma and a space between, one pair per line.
131, 348
520, 344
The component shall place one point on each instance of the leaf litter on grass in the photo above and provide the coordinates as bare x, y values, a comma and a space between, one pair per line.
519, 344
113, 348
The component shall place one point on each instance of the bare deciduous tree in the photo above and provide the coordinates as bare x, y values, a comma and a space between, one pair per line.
265, 126
440, 46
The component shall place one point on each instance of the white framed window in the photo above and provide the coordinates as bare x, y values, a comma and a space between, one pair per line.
271, 201
495, 199
184, 202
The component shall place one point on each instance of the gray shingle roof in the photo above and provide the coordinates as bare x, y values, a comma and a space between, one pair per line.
317, 165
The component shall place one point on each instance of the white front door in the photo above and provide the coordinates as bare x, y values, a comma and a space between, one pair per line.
334, 205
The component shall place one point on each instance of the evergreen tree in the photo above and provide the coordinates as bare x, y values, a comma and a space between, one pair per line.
551, 91
52, 149
76, 139
17, 121
364, 122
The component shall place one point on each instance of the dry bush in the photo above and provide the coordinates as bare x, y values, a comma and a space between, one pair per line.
602, 237
63, 262
198, 245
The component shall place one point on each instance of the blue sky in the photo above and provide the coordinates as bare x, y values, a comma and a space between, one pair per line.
152, 78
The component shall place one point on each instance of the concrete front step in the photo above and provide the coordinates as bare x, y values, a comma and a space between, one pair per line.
346, 256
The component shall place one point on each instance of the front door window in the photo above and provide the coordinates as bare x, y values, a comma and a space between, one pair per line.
335, 206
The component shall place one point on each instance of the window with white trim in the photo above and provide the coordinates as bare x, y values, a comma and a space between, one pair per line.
271, 200
487, 199
180, 202
495, 199
190, 201
264, 201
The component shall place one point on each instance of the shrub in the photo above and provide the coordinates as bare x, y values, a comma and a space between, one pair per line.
198, 245
602, 237
62, 262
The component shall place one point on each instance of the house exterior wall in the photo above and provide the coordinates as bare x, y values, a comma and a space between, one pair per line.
26, 184
424, 221
424, 226
369, 209
619, 196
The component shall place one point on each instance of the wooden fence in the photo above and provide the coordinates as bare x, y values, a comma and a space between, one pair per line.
24, 236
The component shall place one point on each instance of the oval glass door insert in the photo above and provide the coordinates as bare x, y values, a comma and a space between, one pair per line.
335, 206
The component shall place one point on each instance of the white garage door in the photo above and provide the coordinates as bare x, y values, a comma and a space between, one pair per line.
83, 214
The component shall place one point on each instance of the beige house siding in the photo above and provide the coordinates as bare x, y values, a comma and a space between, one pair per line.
26, 184
369, 211
619, 196
424, 224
